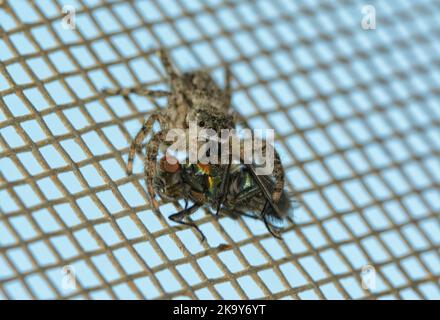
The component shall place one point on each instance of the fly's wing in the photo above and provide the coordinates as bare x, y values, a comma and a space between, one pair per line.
247, 197
283, 206
267, 194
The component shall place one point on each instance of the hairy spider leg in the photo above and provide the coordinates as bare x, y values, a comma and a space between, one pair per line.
178, 85
136, 145
150, 166
136, 90
228, 88
279, 177
278, 172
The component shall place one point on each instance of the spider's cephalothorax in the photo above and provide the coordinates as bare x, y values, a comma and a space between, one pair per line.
207, 118
193, 98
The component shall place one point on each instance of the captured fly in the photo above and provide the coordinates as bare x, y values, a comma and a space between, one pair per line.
202, 185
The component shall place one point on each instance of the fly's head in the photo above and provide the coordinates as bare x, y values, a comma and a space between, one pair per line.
168, 179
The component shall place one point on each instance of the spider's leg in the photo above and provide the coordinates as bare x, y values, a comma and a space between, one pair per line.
166, 61
177, 82
279, 177
228, 88
137, 90
278, 172
177, 85
264, 189
150, 166
179, 216
136, 145
269, 197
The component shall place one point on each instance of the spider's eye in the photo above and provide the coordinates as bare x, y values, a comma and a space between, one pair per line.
201, 123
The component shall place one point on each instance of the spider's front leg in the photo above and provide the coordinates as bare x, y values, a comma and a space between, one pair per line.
166, 61
278, 170
136, 145
272, 199
150, 166
228, 88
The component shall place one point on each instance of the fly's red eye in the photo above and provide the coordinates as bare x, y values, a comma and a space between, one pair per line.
169, 164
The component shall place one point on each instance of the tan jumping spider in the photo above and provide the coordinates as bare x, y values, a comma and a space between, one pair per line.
194, 98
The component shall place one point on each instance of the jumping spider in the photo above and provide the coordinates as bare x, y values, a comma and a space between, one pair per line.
193, 97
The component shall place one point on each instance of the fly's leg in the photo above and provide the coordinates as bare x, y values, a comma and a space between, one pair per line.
267, 224
262, 216
235, 213
246, 195
179, 216
224, 187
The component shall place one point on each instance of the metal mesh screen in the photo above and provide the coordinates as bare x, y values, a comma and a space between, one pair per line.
356, 113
